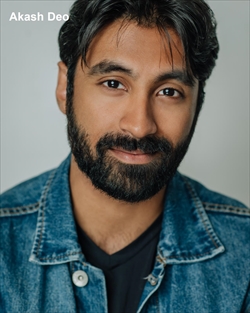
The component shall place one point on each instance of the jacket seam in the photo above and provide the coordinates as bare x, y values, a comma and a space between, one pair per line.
188, 257
157, 301
20, 210
198, 208
226, 208
60, 256
43, 199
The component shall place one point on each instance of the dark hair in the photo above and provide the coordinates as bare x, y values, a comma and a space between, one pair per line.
193, 21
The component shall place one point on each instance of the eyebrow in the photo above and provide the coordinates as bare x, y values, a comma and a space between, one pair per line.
181, 76
106, 67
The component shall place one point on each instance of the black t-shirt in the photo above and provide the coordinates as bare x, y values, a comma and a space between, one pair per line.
126, 270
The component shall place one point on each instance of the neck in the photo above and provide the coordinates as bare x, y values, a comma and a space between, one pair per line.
111, 224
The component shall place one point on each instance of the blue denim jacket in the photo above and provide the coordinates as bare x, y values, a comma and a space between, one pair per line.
202, 264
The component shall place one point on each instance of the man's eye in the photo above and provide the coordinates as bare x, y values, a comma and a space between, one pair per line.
115, 84
170, 92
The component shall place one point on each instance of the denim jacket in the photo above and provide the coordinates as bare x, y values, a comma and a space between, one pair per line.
202, 263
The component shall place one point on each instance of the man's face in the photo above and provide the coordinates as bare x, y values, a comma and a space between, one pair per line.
131, 113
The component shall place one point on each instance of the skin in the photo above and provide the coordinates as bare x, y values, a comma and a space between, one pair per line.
129, 99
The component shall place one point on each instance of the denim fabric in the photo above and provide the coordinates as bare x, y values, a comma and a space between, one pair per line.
202, 264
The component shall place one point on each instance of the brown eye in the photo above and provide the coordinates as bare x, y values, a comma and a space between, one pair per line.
170, 92
115, 84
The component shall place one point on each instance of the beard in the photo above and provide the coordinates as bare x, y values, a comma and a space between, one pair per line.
126, 182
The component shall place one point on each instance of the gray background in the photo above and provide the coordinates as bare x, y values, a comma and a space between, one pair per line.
33, 131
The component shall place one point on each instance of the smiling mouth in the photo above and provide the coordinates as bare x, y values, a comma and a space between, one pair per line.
133, 157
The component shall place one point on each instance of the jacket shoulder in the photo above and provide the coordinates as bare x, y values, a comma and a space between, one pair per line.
217, 202
24, 197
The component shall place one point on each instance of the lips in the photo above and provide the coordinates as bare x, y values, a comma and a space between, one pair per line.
134, 152
132, 157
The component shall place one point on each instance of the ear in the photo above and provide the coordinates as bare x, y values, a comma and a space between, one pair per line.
61, 86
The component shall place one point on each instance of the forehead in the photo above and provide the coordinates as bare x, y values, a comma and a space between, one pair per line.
137, 46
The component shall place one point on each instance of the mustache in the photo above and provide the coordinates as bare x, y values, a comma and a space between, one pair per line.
149, 144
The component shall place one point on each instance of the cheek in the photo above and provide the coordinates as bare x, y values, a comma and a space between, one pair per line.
176, 121
93, 115
175, 125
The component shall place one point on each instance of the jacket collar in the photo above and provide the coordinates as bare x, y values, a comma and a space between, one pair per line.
186, 236
56, 237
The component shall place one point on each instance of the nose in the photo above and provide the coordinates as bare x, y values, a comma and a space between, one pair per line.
138, 119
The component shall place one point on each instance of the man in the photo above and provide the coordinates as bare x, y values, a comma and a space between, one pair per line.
115, 228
